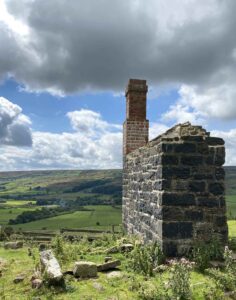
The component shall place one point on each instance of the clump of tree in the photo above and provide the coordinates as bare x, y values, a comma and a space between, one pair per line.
47, 212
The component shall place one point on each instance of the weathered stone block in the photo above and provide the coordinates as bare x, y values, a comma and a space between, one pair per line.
177, 230
170, 248
169, 160
174, 199
85, 269
214, 141
220, 173
192, 160
216, 188
185, 148
194, 215
197, 186
175, 172
207, 202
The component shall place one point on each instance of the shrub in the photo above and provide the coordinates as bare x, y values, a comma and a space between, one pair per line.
230, 264
144, 258
63, 250
179, 281
203, 252
225, 280
213, 293
232, 244
149, 291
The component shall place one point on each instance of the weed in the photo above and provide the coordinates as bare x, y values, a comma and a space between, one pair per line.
179, 281
203, 252
144, 258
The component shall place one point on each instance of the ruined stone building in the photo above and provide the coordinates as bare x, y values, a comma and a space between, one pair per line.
173, 186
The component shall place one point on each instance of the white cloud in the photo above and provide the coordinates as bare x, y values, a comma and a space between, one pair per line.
157, 129
199, 106
95, 144
89, 122
14, 126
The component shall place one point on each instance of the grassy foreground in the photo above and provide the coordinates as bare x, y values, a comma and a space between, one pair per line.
129, 285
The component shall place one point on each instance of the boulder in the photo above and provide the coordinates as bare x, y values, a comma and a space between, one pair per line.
51, 267
114, 274
13, 245
19, 278
85, 269
108, 265
126, 247
36, 283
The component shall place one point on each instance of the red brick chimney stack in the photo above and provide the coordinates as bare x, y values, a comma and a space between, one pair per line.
136, 126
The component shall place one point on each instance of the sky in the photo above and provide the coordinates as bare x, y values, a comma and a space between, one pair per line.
64, 66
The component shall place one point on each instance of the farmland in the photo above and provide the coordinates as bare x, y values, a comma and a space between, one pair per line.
98, 192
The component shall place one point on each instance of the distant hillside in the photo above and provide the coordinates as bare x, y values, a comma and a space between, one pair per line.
48, 187
66, 181
31, 196
230, 180
68, 184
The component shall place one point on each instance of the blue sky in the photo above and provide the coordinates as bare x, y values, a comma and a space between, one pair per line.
62, 80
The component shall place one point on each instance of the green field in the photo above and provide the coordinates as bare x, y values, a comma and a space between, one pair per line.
99, 188
103, 215
232, 228
231, 206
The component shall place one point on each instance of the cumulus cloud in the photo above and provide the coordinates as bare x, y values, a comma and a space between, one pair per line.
157, 129
94, 144
89, 47
14, 126
89, 122
198, 105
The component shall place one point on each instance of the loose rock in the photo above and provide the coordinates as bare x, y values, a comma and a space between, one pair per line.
36, 283
85, 269
13, 245
126, 248
114, 274
19, 278
51, 267
109, 265
98, 286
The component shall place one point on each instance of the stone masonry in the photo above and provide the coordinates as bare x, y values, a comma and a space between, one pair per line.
173, 186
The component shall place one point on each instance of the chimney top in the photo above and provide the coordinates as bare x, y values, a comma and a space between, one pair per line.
136, 85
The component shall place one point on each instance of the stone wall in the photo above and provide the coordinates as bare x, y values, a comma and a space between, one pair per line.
173, 189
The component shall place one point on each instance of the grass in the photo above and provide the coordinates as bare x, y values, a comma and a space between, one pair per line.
105, 215
232, 228
231, 206
126, 288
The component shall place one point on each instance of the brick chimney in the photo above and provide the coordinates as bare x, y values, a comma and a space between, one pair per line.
136, 126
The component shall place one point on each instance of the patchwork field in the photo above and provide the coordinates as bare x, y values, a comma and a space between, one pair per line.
100, 217
96, 191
